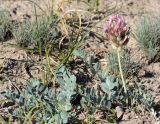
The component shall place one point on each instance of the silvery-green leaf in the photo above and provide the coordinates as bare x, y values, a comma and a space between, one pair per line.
105, 87
65, 116
73, 78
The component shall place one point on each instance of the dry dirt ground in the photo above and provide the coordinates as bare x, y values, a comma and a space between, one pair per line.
14, 62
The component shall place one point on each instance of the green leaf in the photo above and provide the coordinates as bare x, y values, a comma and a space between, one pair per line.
65, 116
109, 84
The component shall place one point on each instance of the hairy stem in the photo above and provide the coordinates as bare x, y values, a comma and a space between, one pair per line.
121, 72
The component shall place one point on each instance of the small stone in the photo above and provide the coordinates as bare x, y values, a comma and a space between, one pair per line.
141, 73
120, 112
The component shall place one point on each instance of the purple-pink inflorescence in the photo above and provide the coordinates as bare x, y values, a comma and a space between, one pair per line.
117, 30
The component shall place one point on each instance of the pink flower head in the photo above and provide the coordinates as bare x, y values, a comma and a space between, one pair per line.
117, 30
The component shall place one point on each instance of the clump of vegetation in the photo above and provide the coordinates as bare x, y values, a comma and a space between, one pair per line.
118, 31
4, 24
38, 35
148, 36
46, 34
139, 95
113, 66
40, 103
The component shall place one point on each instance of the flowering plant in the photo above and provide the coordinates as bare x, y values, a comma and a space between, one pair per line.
118, 32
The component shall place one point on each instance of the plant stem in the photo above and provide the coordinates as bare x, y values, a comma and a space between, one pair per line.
120, 69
